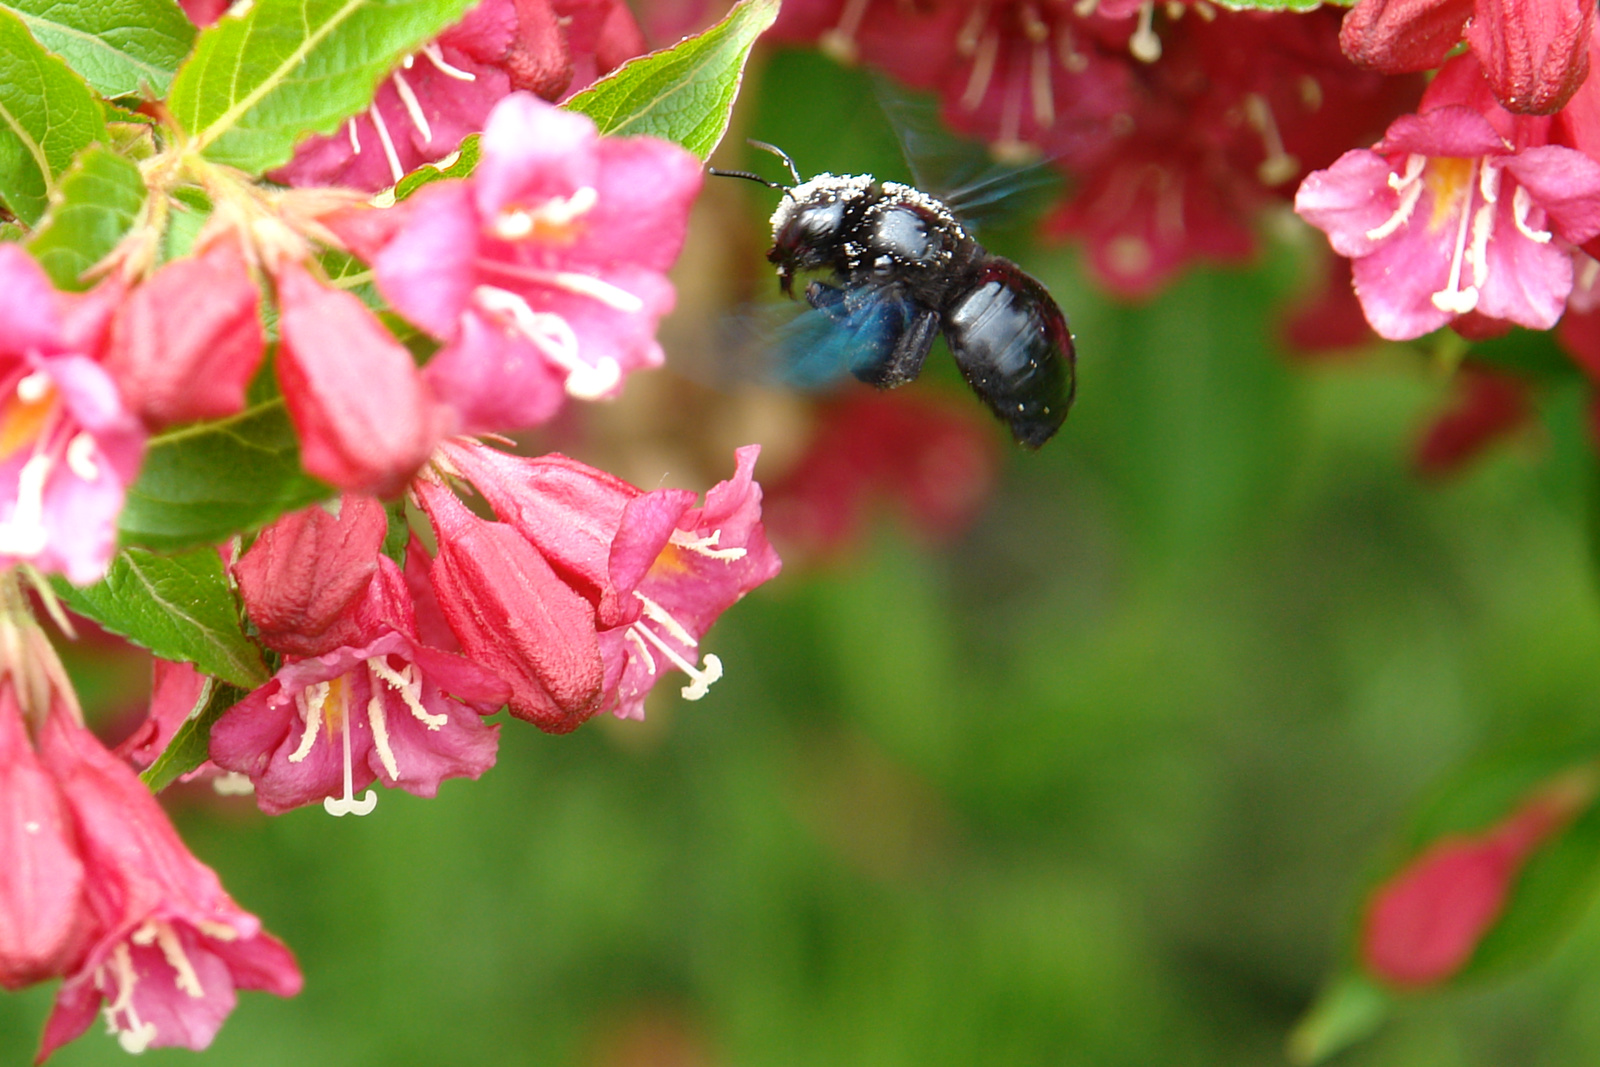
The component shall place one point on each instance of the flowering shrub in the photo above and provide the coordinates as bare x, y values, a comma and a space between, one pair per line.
285, 288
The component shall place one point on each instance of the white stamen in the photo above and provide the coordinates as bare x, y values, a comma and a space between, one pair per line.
555, 339
309, 701
1145, 44
971, 31
1072, 60
1279, 165
705, 546
216, 931
1409, 186
1521, 205
413, 107
982, 71
355, 136
172, 949
135, 1036
34, 387
1482, 228
380, 731
702, 677
24, 534
1453, 298
396, 171
1044, 104
632, 635
348, 804
80, 457
408, 684
840, 41
513, 224
435, 55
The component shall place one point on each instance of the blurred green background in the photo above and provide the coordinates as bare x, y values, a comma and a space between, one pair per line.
1097, 784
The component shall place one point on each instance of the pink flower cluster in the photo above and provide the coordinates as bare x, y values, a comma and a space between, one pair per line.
97, 889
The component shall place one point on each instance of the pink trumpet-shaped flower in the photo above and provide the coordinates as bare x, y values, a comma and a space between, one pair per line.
68, 445
1460, 209
544, 274
170, 947
381, 707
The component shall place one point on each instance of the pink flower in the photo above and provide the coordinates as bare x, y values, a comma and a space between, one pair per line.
303, 578
717, 554
446, 90
1461, 208
545, 273
185, 343
656, 570
1534, 52
365, 419
43, 922
512, 613
68, 445
1424, 924
373, 709
170, 947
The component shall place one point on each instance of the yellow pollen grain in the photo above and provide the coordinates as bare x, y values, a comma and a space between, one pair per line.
1447, 179
336, 706
22, 421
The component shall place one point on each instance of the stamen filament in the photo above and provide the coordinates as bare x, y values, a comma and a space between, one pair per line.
435, 55
395, 169
413, 106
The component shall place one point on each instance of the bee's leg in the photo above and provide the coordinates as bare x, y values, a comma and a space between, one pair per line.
903, 362
828, 299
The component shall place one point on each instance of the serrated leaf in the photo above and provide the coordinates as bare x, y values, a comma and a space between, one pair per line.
257, 84
47, 116
120, 47
461, 165
99, 197
179, 607
201, 484
684, 93
190, 746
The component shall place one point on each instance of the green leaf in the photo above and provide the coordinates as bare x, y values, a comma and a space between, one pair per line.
47, 116
1348, 1010
202, 484
684, 93
460, 165
190, 745
257, 84
99, 198
179, 607
120, 47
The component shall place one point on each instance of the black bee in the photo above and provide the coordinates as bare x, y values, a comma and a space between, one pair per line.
902, 269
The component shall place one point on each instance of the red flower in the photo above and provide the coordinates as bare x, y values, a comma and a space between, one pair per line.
170, 947
1534, 52
514, 614
1424, 924
1488, 407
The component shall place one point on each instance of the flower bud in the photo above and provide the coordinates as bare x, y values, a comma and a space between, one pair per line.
365, 420
185, 344
305, 574
1535, 54
514, 615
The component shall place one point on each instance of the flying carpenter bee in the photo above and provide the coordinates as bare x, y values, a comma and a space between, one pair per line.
902, 269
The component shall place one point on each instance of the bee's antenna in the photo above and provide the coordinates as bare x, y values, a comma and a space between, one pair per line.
746, 175
781, 154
